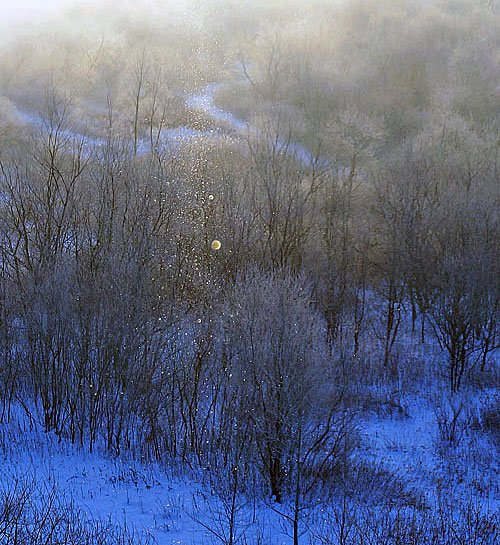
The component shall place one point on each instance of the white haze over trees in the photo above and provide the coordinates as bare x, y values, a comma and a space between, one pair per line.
249, 263
29, 11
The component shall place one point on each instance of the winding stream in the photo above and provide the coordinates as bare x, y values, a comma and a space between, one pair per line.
171, 138
205, 103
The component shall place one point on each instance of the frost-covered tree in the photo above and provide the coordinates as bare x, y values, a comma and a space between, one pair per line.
278, 360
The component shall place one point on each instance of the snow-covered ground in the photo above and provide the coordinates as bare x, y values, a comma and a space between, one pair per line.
174, 506
161, 503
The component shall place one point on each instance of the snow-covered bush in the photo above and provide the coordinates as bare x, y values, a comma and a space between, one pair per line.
37, 515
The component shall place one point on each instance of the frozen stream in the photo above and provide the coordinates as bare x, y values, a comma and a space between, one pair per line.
205, 103
171, 138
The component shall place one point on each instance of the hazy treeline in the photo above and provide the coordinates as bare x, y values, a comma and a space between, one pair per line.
120, 325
